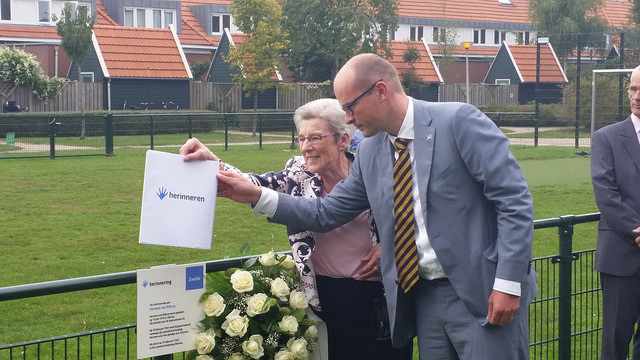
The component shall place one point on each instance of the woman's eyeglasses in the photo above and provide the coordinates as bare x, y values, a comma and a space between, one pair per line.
313, 139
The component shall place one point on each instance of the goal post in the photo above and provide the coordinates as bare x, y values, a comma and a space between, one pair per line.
593, 90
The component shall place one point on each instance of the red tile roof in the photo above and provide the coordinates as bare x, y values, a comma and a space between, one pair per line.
470, 10
615, 13
425, 66
192, 33
525, 57
29, 32
140, 52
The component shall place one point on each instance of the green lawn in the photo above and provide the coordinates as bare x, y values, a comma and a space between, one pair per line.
76, 217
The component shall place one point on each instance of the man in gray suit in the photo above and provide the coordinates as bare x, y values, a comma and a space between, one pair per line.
473, 216
615, 174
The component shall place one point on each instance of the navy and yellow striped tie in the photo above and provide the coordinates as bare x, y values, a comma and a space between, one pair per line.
405, 245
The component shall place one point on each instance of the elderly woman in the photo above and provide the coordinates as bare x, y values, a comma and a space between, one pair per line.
339, 279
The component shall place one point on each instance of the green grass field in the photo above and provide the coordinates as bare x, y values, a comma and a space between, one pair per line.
77, 217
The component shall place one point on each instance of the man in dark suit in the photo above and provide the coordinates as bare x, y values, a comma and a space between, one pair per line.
473, 216
615, 174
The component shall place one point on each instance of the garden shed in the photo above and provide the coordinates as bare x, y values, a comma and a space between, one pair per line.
140, 68
517, 65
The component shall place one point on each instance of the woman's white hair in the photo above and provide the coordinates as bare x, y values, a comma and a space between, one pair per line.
326, 109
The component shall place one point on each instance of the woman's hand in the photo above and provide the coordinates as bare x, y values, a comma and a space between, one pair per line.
193, 149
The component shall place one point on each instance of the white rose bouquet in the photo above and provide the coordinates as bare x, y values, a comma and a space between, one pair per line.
258, 312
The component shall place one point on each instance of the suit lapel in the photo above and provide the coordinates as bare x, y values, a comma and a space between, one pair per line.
630, 142
424, 141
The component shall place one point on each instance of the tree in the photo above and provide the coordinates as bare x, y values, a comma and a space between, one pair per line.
324, 34
569, 24
447, 44
75, 28
635, 11
411, 82
19, 68
258, 56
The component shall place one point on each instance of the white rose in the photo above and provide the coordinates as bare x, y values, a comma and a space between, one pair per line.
204, 357
298, 348
256, 304
213, 305
288, 263
268, 259
235, 325
284, 354
288, 324
237, 356
205, 342
280, 289
253, 347
242, 281
311, 333
297, 300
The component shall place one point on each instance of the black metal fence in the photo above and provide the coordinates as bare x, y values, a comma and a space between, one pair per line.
565, 318
33, 136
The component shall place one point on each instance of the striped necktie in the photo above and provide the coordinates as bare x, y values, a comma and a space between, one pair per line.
405, 245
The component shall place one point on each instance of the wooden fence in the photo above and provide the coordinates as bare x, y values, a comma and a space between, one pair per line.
227, 97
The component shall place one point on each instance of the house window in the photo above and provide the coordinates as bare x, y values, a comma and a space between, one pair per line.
416, 33
5, 10
168, 18
44, 11
75, 6
524, 37
87, 77
499, 36
439, 35
140, 18
479, 36
503, 81
219, 22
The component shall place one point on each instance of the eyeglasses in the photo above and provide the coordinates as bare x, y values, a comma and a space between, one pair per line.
313, 139
349, 106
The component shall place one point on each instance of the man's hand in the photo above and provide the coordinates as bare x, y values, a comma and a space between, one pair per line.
193, 149
636, 231
370, 267
502, 308
233, 186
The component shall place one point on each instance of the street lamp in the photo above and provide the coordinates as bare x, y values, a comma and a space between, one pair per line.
467, 45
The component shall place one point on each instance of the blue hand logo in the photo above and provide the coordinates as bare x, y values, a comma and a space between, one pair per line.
145, 283
162, 192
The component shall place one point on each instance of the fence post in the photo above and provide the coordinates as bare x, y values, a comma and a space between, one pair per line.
152, 130
108, 134
226, 131
190, 126
260, 130
52, 137
565, 259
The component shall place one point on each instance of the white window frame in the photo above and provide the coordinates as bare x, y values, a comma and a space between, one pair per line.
499, 36
221, 18
48, 11
416, 33
479, 36
139, 14
502, 81
88, 75
74, 8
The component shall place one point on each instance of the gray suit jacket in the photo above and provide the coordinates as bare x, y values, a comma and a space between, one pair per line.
615, 174
477, 207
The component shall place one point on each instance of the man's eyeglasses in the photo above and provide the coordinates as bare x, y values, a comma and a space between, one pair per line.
349, 106
313, 139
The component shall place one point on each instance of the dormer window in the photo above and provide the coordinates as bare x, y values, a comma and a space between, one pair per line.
219, 22
505, 2
155, 18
